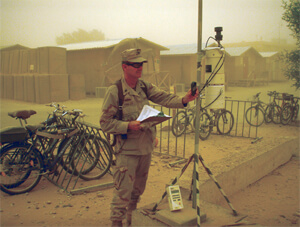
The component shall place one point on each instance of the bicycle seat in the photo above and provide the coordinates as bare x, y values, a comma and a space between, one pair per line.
23, 114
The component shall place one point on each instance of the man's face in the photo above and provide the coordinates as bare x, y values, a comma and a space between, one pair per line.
133, 70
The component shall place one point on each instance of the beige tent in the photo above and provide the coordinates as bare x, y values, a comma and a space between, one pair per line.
34, 75
244, 66
273, 66
42, 60
100, 62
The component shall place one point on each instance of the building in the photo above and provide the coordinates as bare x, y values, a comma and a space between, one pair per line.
273, 66
100, 61
35, 75
243, 66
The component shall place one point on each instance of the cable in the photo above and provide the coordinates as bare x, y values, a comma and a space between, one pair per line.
214, 72
220, 93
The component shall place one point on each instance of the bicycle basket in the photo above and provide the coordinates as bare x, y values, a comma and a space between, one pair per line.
286, 96
12, 134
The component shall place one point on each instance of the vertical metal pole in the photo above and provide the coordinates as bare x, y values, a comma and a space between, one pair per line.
199, 42
196, 198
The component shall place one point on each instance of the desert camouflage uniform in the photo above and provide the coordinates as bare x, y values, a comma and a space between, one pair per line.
133, 155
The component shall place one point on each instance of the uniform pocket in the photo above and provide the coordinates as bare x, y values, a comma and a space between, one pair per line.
119, 170
119, 175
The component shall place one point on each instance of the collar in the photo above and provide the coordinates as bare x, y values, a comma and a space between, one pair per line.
128, 90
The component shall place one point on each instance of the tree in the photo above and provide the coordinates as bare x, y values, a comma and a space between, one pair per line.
292, 58
80, 36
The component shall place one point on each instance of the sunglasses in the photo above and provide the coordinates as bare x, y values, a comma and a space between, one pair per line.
135, 65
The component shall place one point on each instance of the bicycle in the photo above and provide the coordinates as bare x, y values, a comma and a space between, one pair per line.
255, 114
290, 111
221, 118
42, 146
273, 110
183, 119
22, 164
89, 154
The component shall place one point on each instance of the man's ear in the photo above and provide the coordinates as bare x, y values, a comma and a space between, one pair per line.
124, 66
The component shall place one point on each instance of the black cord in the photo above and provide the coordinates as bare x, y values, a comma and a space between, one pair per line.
212, 75
214, 72
220, 93
220, 45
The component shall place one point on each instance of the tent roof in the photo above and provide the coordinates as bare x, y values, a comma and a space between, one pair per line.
181, 49
105, 44
268, 54
237, 51
14, 47
189, 49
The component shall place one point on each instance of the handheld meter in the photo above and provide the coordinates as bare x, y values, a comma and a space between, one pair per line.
174, 197
193, 88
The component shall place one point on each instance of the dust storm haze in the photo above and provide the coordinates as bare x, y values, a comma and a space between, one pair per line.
36, 23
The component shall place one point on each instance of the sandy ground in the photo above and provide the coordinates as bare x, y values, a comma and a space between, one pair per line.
271, 201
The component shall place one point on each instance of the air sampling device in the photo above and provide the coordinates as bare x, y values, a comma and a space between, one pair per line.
174, 197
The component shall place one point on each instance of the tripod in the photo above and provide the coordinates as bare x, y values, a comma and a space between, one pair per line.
195, 181
196, 156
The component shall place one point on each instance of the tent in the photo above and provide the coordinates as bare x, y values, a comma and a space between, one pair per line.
100, 61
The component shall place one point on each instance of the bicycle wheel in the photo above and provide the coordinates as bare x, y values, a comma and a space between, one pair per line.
21, 148
205, 128
103, 163
225, 122
295, 113
255, 116
268, 113
190, 116
286, 114
87, 155
276, 113
20, 168
179, 123
69, 153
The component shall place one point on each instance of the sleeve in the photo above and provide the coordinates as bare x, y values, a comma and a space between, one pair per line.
163, 98
109, 119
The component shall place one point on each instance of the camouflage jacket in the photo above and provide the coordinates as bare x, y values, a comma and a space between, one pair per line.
139, 142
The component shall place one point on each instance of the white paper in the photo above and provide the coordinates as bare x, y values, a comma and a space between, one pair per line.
147, 112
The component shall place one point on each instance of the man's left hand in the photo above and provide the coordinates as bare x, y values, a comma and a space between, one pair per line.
189, 97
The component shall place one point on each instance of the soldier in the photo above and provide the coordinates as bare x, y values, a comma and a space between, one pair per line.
134, 140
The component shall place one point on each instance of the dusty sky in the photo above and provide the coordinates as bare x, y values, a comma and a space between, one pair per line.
35, 23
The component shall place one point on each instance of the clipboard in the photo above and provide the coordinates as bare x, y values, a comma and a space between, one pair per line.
149, 114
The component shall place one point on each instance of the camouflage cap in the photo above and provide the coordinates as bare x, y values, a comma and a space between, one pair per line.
132, 55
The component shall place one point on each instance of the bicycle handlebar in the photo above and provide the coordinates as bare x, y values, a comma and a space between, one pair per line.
271, 93
256, 96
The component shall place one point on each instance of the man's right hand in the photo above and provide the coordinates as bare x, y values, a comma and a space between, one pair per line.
134, 125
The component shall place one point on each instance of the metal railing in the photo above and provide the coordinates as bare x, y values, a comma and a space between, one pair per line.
180, 147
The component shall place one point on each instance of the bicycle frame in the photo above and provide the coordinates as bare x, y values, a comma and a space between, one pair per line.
37, 142
214, 116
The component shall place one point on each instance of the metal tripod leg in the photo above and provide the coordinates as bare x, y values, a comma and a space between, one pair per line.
173, 182
218, 185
